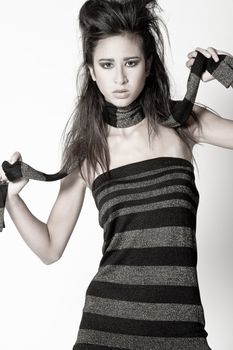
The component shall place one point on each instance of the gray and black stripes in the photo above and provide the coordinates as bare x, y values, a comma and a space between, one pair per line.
130, 115
145, 294
123, 117
143, 310
223, 71
109, 341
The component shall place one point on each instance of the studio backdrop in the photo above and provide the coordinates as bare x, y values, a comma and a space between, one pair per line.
41, 305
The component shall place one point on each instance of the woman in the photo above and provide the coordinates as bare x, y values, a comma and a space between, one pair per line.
145, 294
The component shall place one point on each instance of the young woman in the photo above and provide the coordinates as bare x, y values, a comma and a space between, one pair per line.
145, 294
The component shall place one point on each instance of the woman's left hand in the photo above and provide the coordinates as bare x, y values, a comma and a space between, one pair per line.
210, 52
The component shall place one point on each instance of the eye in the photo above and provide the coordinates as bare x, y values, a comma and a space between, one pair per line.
132, 63
104, 65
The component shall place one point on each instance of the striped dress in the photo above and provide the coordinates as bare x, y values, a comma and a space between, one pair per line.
145, 294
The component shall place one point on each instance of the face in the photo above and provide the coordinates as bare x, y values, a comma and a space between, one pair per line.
119, 64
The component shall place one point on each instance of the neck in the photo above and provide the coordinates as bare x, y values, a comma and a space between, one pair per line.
123, 117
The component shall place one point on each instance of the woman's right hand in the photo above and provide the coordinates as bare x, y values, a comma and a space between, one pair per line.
14, 187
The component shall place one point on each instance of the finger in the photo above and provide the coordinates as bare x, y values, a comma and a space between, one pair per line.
213, 53
192, 54
15, 156
189, 63
204, 52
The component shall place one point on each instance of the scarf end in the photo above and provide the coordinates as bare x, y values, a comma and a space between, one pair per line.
224, 72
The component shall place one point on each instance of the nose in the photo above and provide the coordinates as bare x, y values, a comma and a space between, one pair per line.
120, 76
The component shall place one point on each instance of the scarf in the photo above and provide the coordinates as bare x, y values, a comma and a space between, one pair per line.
181, 110
123, 117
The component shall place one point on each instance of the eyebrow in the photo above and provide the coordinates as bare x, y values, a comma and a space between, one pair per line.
112, 59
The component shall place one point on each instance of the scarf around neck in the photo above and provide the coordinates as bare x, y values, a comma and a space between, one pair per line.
130, 115
123, 117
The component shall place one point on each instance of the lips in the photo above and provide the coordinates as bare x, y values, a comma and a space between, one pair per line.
121, 94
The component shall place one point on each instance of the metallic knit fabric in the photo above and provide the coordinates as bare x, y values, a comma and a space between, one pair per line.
145, 294
132, 114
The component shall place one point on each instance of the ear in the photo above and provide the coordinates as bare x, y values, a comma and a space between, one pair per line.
148, 65
92, 72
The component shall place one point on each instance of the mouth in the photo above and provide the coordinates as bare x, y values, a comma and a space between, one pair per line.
120, 91
121, 94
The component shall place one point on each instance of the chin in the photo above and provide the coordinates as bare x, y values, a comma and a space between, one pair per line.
121, 102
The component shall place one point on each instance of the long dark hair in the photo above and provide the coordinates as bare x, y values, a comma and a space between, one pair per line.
98, 19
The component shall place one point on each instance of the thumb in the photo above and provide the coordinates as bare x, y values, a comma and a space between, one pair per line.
15, 156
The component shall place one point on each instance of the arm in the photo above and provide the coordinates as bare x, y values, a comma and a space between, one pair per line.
48, 240
214, 129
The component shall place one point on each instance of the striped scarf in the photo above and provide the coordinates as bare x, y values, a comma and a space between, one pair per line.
181, 110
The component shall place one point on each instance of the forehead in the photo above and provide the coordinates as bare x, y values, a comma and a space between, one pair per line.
119, 45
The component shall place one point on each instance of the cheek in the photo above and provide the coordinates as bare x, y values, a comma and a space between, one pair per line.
103, 83
139, 77
102, 77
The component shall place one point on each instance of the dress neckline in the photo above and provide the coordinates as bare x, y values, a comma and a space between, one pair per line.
133, 164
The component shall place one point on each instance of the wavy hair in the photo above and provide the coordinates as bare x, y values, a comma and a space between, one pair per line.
86, 138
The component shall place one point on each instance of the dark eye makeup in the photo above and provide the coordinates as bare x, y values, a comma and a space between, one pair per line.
131, 64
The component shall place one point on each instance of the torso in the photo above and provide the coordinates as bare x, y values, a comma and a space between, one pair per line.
134, 146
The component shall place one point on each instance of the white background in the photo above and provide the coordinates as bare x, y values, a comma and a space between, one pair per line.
40, 305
